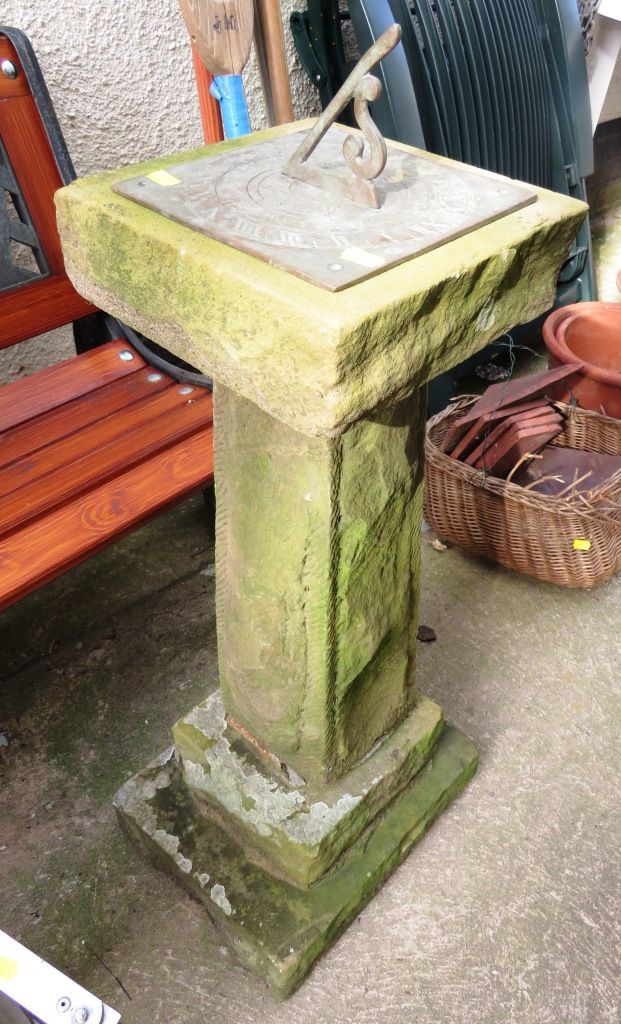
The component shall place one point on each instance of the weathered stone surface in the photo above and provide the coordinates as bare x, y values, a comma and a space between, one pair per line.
276, 928
297, 829
316, 360
318, 444
317, 579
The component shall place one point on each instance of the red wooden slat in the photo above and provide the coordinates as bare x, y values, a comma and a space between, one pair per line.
39, 306
47, 389
37, 467
88, 458
83, 474
31, 437
67, 536
10, 87
33, 162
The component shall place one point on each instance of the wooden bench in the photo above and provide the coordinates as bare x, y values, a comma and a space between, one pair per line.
95, 446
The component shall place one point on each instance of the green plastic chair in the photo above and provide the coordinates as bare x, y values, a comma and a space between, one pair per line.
499, 84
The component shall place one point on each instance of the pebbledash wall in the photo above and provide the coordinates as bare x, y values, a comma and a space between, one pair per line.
120, 76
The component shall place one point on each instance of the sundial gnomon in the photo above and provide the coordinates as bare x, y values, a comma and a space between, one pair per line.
245, 199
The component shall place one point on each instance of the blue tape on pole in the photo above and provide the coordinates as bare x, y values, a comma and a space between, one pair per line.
229, 91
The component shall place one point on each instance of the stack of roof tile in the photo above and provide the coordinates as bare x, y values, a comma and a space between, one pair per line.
510, 421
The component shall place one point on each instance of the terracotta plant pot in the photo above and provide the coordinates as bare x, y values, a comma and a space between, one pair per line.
588, 332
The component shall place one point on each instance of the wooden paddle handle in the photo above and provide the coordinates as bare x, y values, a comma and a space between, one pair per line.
211, 117
276, 59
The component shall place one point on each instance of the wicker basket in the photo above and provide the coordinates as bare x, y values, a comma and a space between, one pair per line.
533, 533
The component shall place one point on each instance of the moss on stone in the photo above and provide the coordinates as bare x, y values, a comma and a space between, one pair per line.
277, 929
297, 829
315, 359
317, 579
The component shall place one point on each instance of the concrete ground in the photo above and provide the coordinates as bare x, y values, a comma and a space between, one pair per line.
507, 911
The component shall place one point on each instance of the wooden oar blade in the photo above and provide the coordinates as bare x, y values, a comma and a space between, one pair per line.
221, 31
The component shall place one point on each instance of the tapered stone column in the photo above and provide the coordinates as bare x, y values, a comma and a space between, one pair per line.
295, 789
317, 579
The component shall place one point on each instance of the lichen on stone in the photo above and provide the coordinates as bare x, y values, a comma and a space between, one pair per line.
218, 895
170, 844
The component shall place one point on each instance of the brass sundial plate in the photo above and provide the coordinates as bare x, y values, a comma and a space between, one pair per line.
243, 199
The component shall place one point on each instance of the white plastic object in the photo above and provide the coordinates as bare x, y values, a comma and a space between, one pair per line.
45, 993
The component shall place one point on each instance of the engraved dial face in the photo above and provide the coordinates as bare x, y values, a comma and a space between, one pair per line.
242, 198
279, 211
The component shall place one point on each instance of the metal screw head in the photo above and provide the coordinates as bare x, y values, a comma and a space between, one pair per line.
63, 1004
126, 355
153, 377
80, 1016
186, 390
8, 69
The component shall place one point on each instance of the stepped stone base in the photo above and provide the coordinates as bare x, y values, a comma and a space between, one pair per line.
277, 928
296, 829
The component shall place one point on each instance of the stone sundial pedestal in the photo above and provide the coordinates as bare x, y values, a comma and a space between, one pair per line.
295, 789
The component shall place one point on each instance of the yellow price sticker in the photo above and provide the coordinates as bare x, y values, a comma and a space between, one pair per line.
163, 178
362, 257
582, 545
8, 968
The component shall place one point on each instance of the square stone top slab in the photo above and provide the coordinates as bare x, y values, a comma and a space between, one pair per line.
317, 360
